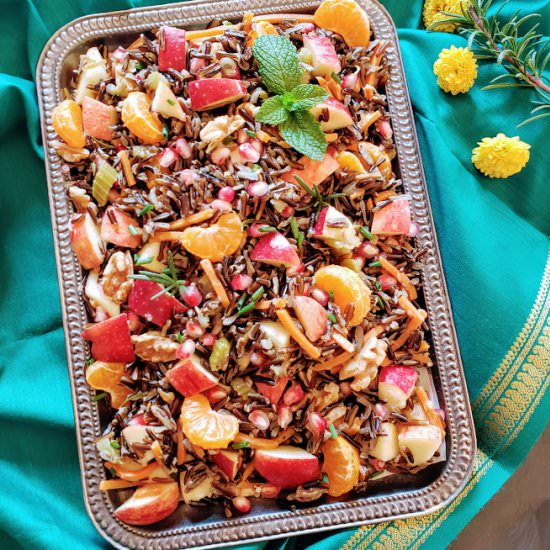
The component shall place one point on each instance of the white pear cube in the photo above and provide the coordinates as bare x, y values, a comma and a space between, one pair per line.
386, 447
278, 334
422, 441
165, 102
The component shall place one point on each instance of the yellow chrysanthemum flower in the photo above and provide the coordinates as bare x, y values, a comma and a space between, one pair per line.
432, 13
500, 156
456, 70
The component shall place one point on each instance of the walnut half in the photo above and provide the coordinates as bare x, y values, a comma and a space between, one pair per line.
153, 347
116, 284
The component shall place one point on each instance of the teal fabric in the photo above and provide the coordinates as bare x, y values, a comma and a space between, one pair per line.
492, 236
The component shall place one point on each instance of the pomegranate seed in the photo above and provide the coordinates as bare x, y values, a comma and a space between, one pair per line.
248, 153
242, 505
320, 296
381, 411
219, 155
287, 211
168, 157
240, 282
226, 194
137, 420
221, 206
413, 230
215, 394
298, 269
316, 423
186, 349
182, 148
345, 388
254, 230
258, 189
386, 281
293, 395
188, 176
367, 250
384, 128
284, 416
259, 419
350, 80
191, 295
258, 359
208, 340
193, 329
270, 491
377, 464
258, 145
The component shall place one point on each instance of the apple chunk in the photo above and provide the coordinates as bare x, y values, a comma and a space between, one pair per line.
151, 503
287, 466
312, 315
392, 219
210, 93
155, 310
338, 114
189, 377
172, 49
98, 119
227, 461
86, 241
111, 341
396, 384
386, 446
321, 55
275, 249
422, 441
313, 172
165, 102
336, 229
115, 228
275, 391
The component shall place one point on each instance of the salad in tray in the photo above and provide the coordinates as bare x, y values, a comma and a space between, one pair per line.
251, 278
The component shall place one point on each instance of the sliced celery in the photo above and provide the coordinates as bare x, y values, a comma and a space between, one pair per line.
103, 182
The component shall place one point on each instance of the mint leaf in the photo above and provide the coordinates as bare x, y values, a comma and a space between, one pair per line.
278, 63
303, 132
272, 111
305, 96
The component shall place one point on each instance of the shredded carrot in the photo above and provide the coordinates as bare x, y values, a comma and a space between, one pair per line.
171, 236
383, 195
247, 21
372, 77
286, 434
111, 484
193, 219
157, 452
217, 285
368, 120
344, 343
181, 453
433, 417
127, 168
205, 33
278, 17
416, 318
297, 334
400, 276
132, 475
334, 361
256, 442
137, 43
247, 471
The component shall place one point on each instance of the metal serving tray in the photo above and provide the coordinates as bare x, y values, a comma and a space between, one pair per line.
392, 498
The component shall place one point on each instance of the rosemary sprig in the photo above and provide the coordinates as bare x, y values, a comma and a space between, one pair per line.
168, 278
318, 199
523, 54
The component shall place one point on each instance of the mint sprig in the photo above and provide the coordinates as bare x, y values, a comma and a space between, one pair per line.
281, 72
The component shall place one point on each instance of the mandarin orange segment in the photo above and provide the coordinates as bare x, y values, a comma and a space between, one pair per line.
349, 161
204, 427
347, 19
348, 289
67, 122
217, 241
106, 377
138, 118
341, 464
379, 158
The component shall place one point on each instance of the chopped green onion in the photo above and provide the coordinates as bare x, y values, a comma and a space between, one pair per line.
246, 309
375, 475
90, 361
267, 229
256, 167
257, 294
170, 102
378, 285
333, 432
242, 300
250, 133
325, 479
336, 77
139, 66
331, 295
179, 338
332, 318
165, 131
227, 23
99, 396
227, 140
133, 230
113, 471
241, 445
366, 233
296, 233
375, 264
142, 261
115, 444
145, 210
379, 302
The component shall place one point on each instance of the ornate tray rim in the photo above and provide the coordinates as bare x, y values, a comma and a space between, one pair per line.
461, 434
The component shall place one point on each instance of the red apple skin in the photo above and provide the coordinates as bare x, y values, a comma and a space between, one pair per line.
98, 118
210, 93
325, 60
312, 315
338, 115
228, 462
396, 384
392, 219
173, 54
275, 249
149, 504
118, 232
86, 241
111, 341
313, 172
157, 310
273, 392
189, 378
287, 466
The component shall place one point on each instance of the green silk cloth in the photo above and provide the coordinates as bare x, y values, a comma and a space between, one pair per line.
493, 237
